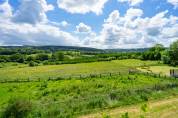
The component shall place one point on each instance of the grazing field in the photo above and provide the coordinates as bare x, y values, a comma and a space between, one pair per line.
11, 72
163, 70
75, 97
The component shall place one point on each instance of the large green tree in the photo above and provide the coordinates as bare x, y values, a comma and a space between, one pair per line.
173, 53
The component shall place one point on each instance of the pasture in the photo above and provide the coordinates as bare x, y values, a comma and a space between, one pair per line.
163, 70
67, 98
75, 97
13, 72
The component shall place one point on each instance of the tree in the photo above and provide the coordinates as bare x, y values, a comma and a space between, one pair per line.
17, 58
59, 56
42, 57
173, 53
153, 53
30, 58
165, 57
32, 64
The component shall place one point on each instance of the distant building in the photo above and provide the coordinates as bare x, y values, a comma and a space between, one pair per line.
174, 73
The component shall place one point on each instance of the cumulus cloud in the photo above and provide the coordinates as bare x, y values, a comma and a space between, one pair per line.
40, 34
32, 11
5, 10
64, 24
132, 13
29, 26
83, 28
82, 6
131, 30
174, 3
132, 2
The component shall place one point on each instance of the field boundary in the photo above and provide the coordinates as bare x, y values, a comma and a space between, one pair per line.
85, 76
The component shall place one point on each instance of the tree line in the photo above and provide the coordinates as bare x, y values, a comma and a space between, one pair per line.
34, 57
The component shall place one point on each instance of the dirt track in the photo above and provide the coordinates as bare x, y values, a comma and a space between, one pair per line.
167, 108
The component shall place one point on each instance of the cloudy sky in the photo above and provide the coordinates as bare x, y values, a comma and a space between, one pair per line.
89, 23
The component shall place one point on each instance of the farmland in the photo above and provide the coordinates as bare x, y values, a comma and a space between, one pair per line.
22, 71
70, 84
75, 97
70, 98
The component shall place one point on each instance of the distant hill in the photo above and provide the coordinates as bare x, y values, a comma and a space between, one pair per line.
127, 50
75, 48
54, 48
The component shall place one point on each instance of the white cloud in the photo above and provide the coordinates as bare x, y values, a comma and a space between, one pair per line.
132, 2
28, 26
32, 11
132, 13
133, 31
5, 10
113, 17
82, 6
64, 24
174, 3
82, 28
40, 34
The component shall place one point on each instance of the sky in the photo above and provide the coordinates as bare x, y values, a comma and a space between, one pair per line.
89, 23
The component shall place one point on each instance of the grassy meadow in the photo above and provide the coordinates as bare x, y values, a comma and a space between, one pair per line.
165, 108
22, 71
163, 70
73, 98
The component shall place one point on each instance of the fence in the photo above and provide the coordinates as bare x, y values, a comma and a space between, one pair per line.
174, 73
65, 77
130, 72
85, 76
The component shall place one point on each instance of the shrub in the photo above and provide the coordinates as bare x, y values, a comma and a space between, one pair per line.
126, 115
17, 108
32, 64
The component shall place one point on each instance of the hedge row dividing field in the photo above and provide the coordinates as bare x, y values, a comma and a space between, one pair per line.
75, 97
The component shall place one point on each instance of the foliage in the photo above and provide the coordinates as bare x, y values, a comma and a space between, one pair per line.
17, 108
32, 64
79, 96
170, 56
153, 53
125, 115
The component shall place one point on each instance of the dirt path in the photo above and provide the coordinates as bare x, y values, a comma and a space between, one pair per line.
167, 108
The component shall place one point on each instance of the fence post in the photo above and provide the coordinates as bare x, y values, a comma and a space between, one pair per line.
28, 79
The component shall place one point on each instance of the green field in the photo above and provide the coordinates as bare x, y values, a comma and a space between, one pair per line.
11, 72
163, 70
165, 108
76, 97
72, 98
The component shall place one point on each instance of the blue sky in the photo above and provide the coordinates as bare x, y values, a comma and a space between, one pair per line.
92, 23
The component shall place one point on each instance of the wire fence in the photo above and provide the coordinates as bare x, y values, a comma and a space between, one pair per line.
84, 76
65, 77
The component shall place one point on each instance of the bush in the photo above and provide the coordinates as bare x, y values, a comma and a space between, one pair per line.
17, 108
32, 64
126, 115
